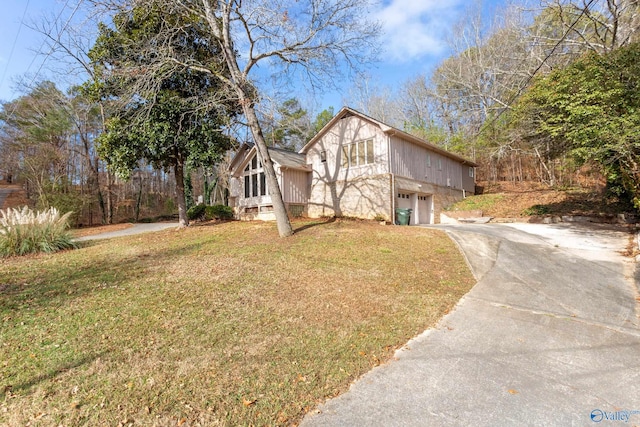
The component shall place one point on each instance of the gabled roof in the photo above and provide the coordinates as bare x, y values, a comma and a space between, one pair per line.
240, 155
389, 130
285, 158
288, 159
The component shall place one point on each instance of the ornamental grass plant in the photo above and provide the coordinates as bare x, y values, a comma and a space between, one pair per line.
23, 231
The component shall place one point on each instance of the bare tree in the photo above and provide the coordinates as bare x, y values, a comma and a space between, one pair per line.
69, 46
314, 40
599, 25
375, 100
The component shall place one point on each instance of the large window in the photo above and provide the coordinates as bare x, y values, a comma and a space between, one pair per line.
357, 153
254, 180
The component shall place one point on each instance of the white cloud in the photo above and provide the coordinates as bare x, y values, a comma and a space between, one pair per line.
414, 29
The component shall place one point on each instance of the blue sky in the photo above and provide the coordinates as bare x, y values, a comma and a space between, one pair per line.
415, 33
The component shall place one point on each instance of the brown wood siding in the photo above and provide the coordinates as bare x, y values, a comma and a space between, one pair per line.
295, 186
412, 161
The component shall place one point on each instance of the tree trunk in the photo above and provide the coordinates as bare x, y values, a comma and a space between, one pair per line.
178, 170
242, 88
280, 210
109, 197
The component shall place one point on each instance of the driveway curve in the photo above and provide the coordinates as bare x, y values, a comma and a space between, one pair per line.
549, 336
130, 231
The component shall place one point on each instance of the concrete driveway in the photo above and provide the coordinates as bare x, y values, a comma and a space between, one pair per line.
549, 336
138, 228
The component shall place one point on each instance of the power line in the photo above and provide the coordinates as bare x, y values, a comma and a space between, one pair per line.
551, 52
57, 38
15, 41
64, 27
35, 76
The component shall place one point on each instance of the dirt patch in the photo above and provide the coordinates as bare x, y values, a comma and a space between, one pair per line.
526, 199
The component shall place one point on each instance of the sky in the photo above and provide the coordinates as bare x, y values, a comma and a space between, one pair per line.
414, 40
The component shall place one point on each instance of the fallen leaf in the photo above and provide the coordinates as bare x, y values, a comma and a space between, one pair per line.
512, 391
246, 402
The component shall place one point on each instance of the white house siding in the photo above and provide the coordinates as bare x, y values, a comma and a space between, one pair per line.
346, 131
364, 197
360, 191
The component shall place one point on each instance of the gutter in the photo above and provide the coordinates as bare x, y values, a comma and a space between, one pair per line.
392, 215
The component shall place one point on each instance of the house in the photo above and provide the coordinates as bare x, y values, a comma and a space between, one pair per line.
355, 166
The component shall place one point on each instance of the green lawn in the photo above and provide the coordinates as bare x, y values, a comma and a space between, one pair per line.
214, 325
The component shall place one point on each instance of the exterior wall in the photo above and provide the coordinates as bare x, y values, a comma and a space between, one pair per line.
430, 180
361, 191
469, 181
348, 130
421, 164
364, 197
294, 186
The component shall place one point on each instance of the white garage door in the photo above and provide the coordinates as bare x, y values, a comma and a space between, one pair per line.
424, 208
404, 201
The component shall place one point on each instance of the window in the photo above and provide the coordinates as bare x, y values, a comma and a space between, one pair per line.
358, 153
439, 164
345, 156
428, 159
254, 184
470, 172
361, 153
254, 179
369, 151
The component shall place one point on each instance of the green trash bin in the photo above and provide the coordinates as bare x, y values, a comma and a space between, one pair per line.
403, 216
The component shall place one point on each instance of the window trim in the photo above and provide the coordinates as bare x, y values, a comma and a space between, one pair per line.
351, 156
254, 179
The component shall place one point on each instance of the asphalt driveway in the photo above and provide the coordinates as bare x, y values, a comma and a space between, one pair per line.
549, 336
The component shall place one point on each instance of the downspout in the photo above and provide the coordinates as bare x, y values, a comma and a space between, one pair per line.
393, 183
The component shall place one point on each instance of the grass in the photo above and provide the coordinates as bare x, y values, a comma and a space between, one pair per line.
481, 202
525, 199
217, 325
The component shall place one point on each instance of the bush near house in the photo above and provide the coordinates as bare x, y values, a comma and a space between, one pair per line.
203, 212
218, 212
196, 212
23, 231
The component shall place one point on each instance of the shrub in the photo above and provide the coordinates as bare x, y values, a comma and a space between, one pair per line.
196, 212
25, 231
219, 212
537, 210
